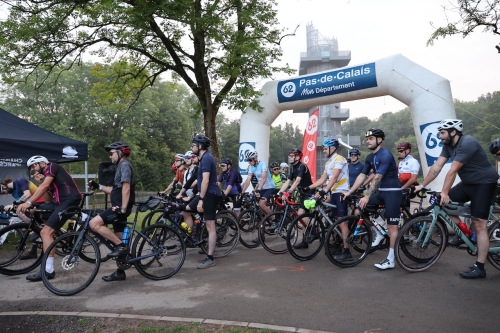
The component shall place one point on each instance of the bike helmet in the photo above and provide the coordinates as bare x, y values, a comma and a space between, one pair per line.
495, 146
179, 157
189, 154
376, 132
201, 140
251, 155
274, 165
330, 143
296, 152
284, 165
404, 146
125, 148
226, 161
355, 151
449, 124
36, 159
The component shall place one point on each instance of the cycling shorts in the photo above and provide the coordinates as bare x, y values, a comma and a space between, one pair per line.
236, 200
341, 210
266, 193
110, 216
56, 220
210, 205
392, 201
479, 195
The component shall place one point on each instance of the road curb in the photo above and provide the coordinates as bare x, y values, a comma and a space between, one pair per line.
163, 318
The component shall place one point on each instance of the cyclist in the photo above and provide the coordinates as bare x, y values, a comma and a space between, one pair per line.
232, 183
495, 147
180, 168
385, 188
22, 189
478, 184
337, 174
191, 172
122, 200
301, 177
408, 166
209, 194
65, 194
284, 167
356, 166
278, 177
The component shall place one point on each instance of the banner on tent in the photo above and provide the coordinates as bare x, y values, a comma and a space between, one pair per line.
12, 162
309, 143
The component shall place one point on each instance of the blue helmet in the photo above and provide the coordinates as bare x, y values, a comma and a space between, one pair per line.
330, 143
355, 151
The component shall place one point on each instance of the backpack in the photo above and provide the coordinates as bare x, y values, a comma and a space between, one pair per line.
239, 179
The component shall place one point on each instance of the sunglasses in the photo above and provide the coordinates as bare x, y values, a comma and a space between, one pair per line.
250, 160
353, 155
401, 151
223, 165
276, 169
111, 153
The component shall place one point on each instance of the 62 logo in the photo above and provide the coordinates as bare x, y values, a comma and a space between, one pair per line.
245, 147
433, 145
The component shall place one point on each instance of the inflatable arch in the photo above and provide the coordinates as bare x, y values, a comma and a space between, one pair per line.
427, 95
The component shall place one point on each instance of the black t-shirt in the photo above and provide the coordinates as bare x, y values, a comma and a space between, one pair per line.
63, 187
300, 170
124, 174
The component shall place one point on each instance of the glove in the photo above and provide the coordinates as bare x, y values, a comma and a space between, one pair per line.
93, 185
322, 193
306, 189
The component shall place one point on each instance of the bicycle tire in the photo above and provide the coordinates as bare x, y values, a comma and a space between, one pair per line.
274, 241
17, 243
248, 223
494, 235
410, 254
147, 220
159, 239
76, 275
228, 234
361, 243
309, 233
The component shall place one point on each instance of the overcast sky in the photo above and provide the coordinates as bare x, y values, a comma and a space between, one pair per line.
374, 29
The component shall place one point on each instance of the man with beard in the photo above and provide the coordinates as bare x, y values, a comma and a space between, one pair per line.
478, 184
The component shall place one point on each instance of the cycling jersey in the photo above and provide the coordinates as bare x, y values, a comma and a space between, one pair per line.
257, 171
338, 162
193, 175
207, 164
300, 170
230, 179
22, 184
383, 163
354, 171
187, 175
278, 180
179, 175
63, 187
407, 167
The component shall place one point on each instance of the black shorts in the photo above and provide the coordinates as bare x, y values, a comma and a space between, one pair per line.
341, 210
210, 204
236, 200
392, 201
479, 195
305, 196
56, 220
110, 216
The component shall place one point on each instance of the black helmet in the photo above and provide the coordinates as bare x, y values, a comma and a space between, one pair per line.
226, 161
355, 151
120, 145
274, 165
376, 132
201, 140
495, 146
296, 152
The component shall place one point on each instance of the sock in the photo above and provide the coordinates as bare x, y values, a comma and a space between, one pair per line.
480, 265
120, 271
49, 267
210, 257
390, 256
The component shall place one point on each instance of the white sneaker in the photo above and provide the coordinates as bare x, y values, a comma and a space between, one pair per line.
386, 264
377, 240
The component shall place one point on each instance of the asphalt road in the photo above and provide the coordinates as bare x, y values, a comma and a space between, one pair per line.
255, 286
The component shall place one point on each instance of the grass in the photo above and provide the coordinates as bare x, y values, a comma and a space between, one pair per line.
196, 328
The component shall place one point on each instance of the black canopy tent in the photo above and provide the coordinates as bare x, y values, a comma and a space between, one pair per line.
19, 140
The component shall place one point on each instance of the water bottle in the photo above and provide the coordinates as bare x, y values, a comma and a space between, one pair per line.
196, 225
474, 237
186, 227
71, 226
465, 229
126, 235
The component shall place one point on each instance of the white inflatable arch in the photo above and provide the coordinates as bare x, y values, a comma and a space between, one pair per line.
427, 95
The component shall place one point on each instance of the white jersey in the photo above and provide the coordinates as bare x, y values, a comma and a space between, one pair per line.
409, 165
187, 174
338, 162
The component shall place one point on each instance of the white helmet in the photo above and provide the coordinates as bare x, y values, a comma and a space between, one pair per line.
188, 154
250, 154
36, 159
451, 124
284, 165
179, 157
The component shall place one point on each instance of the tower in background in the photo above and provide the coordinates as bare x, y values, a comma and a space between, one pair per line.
323, 54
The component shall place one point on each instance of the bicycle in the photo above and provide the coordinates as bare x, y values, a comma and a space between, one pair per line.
158, 252
249, 220
429, 237
273, 227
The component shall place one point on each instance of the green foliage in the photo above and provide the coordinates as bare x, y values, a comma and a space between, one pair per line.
282, 139
472, 14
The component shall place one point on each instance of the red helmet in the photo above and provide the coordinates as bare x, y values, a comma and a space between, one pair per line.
404, 145
120, 145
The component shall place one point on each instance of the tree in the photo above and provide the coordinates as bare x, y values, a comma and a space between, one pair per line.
231, 44
472, 14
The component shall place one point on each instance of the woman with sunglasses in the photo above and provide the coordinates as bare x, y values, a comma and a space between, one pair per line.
231, 179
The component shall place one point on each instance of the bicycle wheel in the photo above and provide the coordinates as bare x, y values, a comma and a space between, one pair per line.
16, 241
359, 241
304, 238
494, 234
151, 218
274, 240
228, 234
412, 254
73, 273
162, 251
248, 221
